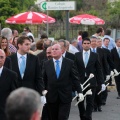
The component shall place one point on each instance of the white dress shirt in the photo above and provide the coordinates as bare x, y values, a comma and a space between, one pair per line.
1, 70
20, 59
64, 54
73, 49
93, 50
118, 49
60, 62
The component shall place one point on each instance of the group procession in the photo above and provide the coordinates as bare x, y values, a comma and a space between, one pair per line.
55, 73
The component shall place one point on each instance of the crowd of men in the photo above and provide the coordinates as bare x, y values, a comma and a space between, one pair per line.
56, 70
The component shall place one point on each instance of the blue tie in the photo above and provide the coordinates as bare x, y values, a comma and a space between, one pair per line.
94, 50
86, 58
57, 68
22, 65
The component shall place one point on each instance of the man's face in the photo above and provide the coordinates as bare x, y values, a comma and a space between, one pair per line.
25, 47
118, 43
99, 43
106, 42
48, 52
93, 42
2, 58
86, 45
56, 51
62, 47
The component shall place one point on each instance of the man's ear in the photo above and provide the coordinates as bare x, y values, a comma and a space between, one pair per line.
36, 116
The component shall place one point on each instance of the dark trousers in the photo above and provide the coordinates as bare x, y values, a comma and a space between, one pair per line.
104, 95
117, 80
59, 110
86, 112
45, 115
98, 98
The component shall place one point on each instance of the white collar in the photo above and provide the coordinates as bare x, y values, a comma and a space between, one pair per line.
64, 54
19, 55
60, 59
86, 51
1, 70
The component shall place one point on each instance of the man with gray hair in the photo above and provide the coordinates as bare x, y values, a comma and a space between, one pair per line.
23, 104
73, 47
7, 32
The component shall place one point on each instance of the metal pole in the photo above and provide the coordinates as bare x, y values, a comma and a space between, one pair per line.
67, 24
47, 23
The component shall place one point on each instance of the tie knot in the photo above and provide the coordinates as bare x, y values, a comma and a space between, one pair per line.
57, 61
22, 57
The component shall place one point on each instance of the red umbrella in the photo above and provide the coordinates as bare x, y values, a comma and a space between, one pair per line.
30, 18
86, 19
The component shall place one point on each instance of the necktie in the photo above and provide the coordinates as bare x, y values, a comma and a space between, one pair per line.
86, 58
94, 50
22, 66
57, 68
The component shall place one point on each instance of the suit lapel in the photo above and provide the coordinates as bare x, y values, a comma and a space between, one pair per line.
117, 53
3, 74
81, 59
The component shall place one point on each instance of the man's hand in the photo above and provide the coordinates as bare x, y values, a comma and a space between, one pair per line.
111, 73
103, 87
44, 92
107, 77
80, 97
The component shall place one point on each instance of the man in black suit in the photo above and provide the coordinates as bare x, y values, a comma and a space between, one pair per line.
87, 62
59, 74
64, 50
27, 66
105, 70
115, 53
8, 82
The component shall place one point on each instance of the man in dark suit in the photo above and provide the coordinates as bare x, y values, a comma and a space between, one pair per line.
115, 53
105, 70
8, 82
7, 63
27, 66
87, 62
59, 74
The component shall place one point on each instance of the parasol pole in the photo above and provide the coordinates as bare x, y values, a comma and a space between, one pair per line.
47, 23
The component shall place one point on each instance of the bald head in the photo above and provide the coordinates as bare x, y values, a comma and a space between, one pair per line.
56, 51
2, 57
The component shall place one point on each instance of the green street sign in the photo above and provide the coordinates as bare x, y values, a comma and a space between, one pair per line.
43, 5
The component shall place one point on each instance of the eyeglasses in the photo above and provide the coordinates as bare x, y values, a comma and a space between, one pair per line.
86, 43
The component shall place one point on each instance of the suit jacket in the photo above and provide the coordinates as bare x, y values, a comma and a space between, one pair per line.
33, 76
70, 56
7, 63
103, 61
93, 67
8, 83
115, 58
60, 88
109, 58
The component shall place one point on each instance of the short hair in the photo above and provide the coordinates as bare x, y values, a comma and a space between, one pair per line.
108, 32
43, 36
93, 37
47, 43
33, 46
62, 40
86, 39
28, 29
106, 38
79, 32
99, 30
72, 41
39, 44
7, 32
22, 103
117, 39
21, 40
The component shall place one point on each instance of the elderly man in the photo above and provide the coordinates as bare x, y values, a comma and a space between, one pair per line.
8, 82
23, 104
59, 74
7, 32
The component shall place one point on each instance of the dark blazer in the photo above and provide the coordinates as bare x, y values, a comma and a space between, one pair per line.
33, 76
60, 88
8, 63
93, 67
8, 83
103, 61
115, 58
70, 56
109, 58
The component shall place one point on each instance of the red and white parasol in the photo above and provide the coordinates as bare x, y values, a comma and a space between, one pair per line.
30, 18
86, 19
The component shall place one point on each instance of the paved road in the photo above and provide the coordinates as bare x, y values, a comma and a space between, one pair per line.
111, 111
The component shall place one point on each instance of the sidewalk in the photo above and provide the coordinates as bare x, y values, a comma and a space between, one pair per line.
111, 111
